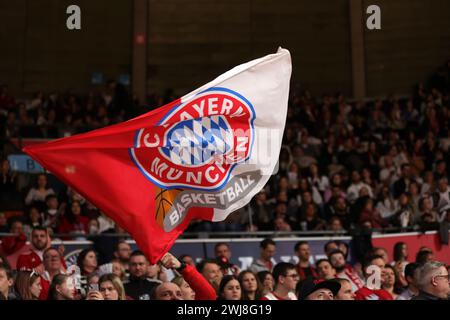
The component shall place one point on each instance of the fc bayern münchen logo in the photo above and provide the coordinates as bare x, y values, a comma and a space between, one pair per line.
198, 143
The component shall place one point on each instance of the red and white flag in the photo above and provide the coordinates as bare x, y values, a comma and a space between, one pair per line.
202, 156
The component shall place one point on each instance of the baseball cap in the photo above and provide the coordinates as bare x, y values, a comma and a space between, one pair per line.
309, 286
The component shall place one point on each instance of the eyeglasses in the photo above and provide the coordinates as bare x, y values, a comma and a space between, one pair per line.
293, 276
446, 276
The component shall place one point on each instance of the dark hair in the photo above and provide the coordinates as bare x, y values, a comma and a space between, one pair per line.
318, 262
422, 256
181, 258
281, 269
137, 253
258, 293
224, 282
221, 244
262, 275
58, 280
50, 196
336, 251
299, 244
24, 281
8, 271
82, 256
268, 241
398, 250
370, 258
118, 243
328, 243
410, 269
201, 264
69, 214
39, 228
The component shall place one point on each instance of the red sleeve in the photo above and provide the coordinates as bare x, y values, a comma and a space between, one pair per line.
384, 295
13, 243
202, 288
360, 294
45, 287
264, 298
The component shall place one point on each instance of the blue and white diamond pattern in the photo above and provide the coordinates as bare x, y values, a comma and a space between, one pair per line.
194, 142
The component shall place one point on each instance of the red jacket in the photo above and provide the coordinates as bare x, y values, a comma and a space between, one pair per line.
80, 225
202, 288
28, 261
45, 287
12, 244
368, 294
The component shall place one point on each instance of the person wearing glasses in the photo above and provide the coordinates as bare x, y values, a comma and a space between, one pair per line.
286, 279
433, 282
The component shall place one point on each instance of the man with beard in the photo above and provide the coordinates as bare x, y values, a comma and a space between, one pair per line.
40, 240
337, 260
304, 268
122, 254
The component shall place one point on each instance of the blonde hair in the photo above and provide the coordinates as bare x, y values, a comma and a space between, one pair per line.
116, 282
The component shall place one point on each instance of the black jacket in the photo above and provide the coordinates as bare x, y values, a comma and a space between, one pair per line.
425, 296
140, 288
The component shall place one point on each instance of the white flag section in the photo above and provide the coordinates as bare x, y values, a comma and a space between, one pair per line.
261, 87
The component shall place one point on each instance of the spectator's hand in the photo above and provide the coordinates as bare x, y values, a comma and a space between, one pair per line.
170, 262
94, 295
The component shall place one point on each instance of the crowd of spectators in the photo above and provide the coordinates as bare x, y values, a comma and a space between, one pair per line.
42, 273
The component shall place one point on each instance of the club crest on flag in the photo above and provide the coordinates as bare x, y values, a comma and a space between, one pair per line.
198, 143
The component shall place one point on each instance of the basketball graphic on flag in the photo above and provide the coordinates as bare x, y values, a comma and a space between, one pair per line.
163, 202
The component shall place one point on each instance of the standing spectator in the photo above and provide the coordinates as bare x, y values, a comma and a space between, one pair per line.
345, 293
139, 287
267, 251
230, 288
411, 277
337, 259
433, 282
39, 193
286, 279
251, 287
28, 285
304, 268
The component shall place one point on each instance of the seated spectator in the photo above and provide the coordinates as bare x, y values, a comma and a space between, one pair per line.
230, 288
61, 288
325, 270
318, 289
404, 216
139, 287
411, 277
251, 287
210, 269
373, 270
87, 262
73, 221
310, 220
345, 292
338, 261
267, 282
110, 288
28, 285
166, 291
33, 259
6, 282
38, 194
286, 279
390, 281
370, 217
13, 244
304, 269
355, 187
267, 251
433, 282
